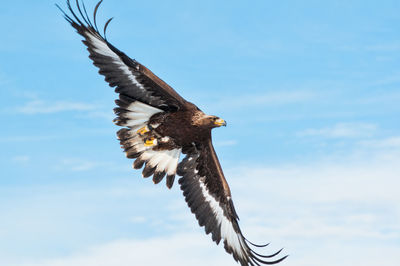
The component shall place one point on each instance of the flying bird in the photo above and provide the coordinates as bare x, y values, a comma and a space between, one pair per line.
158, 125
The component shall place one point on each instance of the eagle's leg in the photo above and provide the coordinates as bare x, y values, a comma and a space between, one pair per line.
143, 130
150, 142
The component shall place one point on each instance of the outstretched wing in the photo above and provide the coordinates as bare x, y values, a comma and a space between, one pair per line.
141, 95
128, 76
208, 196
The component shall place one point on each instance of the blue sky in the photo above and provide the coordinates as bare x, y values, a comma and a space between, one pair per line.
310, 91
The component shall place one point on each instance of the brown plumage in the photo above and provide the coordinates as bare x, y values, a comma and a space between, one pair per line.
159, 125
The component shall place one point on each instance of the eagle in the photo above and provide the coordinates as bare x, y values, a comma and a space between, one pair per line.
158, 125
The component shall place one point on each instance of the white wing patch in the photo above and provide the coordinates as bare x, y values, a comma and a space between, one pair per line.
100, 47
233, 239
138, 114
164, 160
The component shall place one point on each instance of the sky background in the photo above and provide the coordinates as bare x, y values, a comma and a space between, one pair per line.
310, 91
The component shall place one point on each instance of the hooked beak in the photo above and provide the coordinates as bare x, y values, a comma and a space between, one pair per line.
220, 122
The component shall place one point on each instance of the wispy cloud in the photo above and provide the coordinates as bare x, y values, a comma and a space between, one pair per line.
77, 164
21, 159
38, 106
390, 142
182, 250
225, 143
3, 78
176, 250
389, 79
268, 99
348, 206
384, 47
95, 114
341, 130
26, 138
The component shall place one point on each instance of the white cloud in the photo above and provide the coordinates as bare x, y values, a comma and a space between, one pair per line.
3, 78
383, 47
224, 143
391, 142
341, 212
107, 115
196, 249
21, 159
268, 99
81, 164
181, 249
371, 181
341, 130
26, 138
138, 219
389, 79
37, 106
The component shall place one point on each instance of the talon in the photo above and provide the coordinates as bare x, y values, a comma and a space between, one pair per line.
143, 130
150, 142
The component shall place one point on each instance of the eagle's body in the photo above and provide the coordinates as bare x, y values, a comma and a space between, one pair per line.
189, 131
158, 126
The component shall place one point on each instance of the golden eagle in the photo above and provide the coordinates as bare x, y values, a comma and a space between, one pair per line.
159, 125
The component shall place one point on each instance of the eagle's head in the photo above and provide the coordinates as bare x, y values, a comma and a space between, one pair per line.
217, 122
207, 121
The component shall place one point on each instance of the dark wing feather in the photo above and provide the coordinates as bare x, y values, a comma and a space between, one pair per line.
208, 196
141, 95
130, 78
